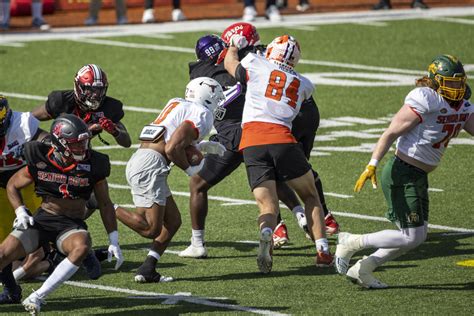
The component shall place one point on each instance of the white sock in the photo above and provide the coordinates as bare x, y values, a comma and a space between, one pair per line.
381, 256
298, 209
37, 10
266, 230
322, 245
6, 12
198, 237
19, 273
154, 254
406, 237
62, 273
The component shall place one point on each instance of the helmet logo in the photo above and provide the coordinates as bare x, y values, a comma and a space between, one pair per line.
213, 87
57, 131
3, 113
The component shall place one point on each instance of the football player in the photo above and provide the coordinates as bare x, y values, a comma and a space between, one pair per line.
88, 101
64, 174
182, 122
267, 142
433, 113
16, 129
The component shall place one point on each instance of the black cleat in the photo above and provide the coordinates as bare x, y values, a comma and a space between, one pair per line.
92, 265
11, 296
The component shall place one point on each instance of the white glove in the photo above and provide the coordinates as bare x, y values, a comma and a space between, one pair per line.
114, 249
192, 170
238, 41
23, 218
210, 147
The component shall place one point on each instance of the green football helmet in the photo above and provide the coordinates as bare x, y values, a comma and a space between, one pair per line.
448, 72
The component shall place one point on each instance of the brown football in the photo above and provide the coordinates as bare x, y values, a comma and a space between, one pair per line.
193, 155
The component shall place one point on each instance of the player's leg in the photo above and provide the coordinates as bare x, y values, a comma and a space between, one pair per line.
32, 266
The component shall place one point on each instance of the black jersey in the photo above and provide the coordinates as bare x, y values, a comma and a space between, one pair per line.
74, 182
305, 125
60, 102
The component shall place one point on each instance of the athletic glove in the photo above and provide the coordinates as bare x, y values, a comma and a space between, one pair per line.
369, 173
238, 41
114, 250
109, 126
23, 218
210, 147
192, 170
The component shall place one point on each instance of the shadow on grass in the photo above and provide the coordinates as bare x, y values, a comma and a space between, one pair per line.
469, 286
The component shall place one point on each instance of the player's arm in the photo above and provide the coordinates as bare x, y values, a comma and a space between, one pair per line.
107, 213
123, 138
18, 181
402, 122
40, 135
181, 138
117, 130
231, 61
469, 126
41, 113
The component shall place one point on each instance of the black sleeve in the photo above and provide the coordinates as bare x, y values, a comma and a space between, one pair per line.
241, 74
34, 152
59, 102
113, 109
101, 165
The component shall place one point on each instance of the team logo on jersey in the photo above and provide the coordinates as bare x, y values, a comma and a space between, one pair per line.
413, 217
41, 165
85, 167
15, 143
443, 111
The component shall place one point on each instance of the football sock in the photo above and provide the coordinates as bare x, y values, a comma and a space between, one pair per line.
298, 209
148, 265
198, 237
19, 273
154, 254
62, 273
176, 4
319, 188
406, 237
149, 4
322, 245
37, 9
382, 256
7, 278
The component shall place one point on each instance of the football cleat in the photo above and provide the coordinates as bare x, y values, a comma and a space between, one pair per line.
92, 266
347, 245
280, 236
32, 304
151, 277
332, 227
273, 14
10, 296
324, 260
250, 14
361, 274
198, 252
148, 16
303, 7
264, 256
177, 15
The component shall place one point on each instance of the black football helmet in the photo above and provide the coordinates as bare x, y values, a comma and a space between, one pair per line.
70, 137
90, 87
5, 116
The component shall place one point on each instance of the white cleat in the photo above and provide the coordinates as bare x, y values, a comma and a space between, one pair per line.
250, 14
194, 252
361, 274
32, 304
148, 16
177, 15
273, 14
264, 256
347, 246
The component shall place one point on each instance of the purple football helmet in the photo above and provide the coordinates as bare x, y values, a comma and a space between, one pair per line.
209, 47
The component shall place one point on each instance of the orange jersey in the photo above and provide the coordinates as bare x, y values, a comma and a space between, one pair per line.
273, 99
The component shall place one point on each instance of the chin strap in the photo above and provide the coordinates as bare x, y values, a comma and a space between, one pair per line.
103, 141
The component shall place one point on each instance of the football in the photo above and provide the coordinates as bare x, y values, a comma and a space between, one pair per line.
193, 155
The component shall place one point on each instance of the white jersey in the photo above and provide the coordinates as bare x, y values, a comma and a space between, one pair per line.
179, 110
439, 122
274, 93
23, 126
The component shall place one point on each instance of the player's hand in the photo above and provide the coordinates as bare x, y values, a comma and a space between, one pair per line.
114, 250
369, 173
23, 218
210, 147
238, 41
108, 126
95, 129
192, 170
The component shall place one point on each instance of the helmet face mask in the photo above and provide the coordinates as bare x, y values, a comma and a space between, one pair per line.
90, 87
209, 47
5, 116
448, 73
205, 91
70, 137
284, 50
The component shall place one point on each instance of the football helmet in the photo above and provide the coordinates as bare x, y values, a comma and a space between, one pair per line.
209, 47
284, 50
448, 73
5, 116
242, 28
205, 91
70, 137
90, 87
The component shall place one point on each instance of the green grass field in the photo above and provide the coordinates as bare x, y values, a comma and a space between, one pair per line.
355, 108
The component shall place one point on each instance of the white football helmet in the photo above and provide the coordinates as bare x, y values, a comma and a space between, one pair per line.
205, 91
285, 50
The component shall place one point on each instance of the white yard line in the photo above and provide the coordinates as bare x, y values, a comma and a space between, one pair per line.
231, 201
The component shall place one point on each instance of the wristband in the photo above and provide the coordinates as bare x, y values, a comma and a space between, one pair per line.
113, 237
373, 162
21, 209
